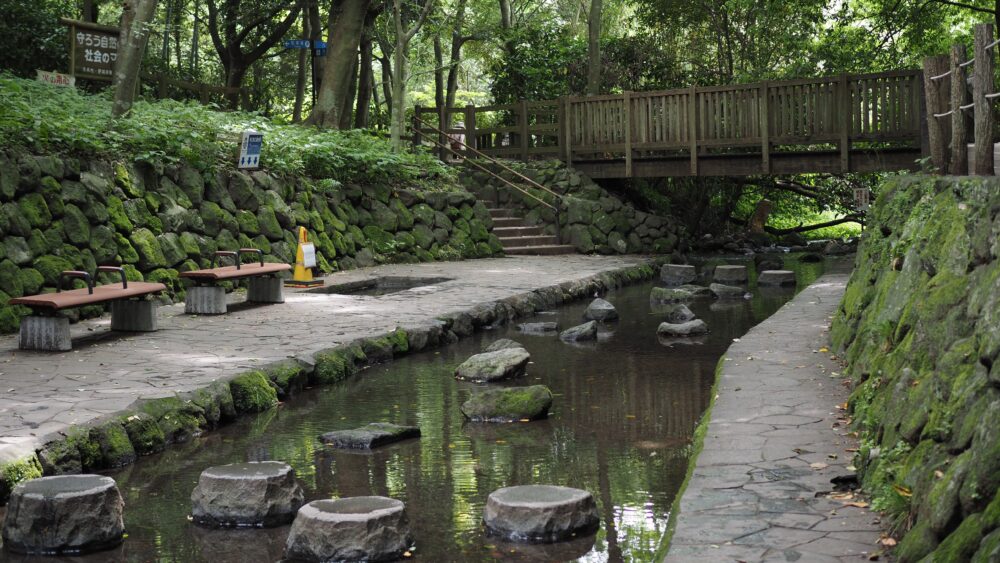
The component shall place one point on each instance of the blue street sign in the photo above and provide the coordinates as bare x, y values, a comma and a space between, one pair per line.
321, 52
250, 149
297, 44
320, 44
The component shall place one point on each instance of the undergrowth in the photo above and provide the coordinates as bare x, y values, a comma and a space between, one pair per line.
44, 118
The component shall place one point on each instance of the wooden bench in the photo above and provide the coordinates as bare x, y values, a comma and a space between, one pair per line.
206, 297
46, 330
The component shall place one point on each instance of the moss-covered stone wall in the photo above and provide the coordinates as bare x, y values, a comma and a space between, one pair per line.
920, 324
592, 219
63, 213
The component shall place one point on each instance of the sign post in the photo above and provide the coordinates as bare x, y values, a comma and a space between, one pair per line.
93, 49
250, 149
56, 78
317, 49
862, 199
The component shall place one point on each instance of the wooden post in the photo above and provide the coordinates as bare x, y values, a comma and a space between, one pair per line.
561, 127
470, 129
523, 122
764, 118
568, 102
443, 140
627, 121
161, 89
937, 94
416, 127
983, 84
203, 94
959, 95
845, 120
693, 127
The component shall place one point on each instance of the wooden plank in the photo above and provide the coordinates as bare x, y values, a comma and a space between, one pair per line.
627, 122
846, 110
693, 128
525, 139
765, 142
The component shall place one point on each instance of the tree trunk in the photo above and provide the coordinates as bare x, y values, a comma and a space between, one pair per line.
346, 113
439, 100
759, 218
346, 23
91, 10
396, 124
136, 17
365, 79
195, 39
455, 60
300, 80
594, 49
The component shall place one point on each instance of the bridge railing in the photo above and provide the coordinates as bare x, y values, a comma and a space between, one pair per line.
765, 119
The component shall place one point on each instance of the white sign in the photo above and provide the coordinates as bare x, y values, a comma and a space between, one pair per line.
308, 255
56, 79
862, 199
250, 149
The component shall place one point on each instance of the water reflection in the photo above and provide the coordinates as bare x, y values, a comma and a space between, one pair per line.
624, 411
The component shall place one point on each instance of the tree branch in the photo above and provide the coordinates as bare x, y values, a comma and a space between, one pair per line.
965, 6
805, 228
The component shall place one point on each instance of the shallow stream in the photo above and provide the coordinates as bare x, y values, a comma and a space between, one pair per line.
620, 427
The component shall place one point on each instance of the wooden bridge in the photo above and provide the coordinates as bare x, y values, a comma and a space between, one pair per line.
845, 123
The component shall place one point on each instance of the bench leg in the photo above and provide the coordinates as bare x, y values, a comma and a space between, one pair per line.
133, 315
205, 300
265, 290
45, 333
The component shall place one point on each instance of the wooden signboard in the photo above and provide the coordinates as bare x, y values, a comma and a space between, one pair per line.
93, 49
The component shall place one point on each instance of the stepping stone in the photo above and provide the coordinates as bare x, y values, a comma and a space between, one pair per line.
690, 328
494, 366
810, 257
600, 310
677, 294
580, 333
730, 274
677, 274
246, 495
723, 291
768, 262
349, 529
540, 513
65, 514
537, 328
502, 344
509, 404
776, 278
676, 312
368, 437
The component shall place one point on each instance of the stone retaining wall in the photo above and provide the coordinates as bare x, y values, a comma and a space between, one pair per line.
920, 323
594, 220
62, 213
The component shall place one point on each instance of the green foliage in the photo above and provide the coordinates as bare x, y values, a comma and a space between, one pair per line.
31, 36
540, 66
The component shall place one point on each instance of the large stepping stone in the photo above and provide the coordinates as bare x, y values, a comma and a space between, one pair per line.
368, 437
540, 513
509, 404
678, 294
677, 274
494, 366
502, 344
538, 328
600, 310
64, 514
246, 495
776, 278
349, 529
691, 328
730, 274
723, 291
676, 312
580, 333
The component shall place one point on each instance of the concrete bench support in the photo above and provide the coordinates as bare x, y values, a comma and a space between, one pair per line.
205, 300
265, 289
133, 315
45, 333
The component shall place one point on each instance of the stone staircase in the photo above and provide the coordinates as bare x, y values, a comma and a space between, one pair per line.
518, 237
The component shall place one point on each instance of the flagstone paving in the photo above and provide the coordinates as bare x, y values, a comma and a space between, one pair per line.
44, 393
761, 489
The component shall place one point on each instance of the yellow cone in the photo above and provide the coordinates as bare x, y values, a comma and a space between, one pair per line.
305, 260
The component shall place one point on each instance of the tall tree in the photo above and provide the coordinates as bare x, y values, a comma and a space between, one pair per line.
303, 70
136, 17
399, 70
594, 49
366, 82
346, 24
237, 23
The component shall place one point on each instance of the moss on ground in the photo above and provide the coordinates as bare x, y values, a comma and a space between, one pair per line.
253, 392
14, 472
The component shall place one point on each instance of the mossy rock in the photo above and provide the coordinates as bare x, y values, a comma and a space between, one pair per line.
10, 279
17, 250
381, 241
192, 182
216, 402
384, 218
423, 214
33, 208
216, 219
179, 420
173, 250
61, 457
112, 446
252, 392
15, 223
403, 215
150, 254
289, 376
50, 267
961, 544
126, 180
102, 243
269, 225
14, 472
191, 245
126, 252
247, 222
31, 280
116, 211
168, 277
508, 404
51, 190
144, 433
44, 242
140, 215
243, 192
989, 549
335, 365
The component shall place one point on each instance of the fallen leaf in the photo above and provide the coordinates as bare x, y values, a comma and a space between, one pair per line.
818, 465
842, 496
888, 542
938, 473
857, 504
824, 349
902, 491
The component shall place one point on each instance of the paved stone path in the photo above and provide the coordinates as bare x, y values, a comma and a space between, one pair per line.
43, 393
759, 491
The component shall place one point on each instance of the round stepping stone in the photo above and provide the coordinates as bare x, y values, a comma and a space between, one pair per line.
540, 513
677, 274
600, 310
494, 366
502, 344
696, 327
729, 274
580, 333
508, 404
65, 514
538, 328
349, 529
776, 278
723, 291
255, 494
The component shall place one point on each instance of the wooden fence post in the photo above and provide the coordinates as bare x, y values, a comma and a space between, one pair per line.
568, 114
983, 84
627, 122
470, 129
846, 123
959, 95
523, 122
416, 127
937, 94
764, 123
693, 127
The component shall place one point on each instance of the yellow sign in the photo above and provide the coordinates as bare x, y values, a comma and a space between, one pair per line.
305, 261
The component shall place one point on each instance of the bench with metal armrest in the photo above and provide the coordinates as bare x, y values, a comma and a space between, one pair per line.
206, 297
130, 311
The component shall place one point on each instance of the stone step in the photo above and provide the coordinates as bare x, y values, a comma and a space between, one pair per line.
519, 231
500, 213
539, 240
545, 250
508, 222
